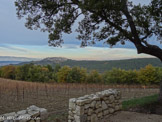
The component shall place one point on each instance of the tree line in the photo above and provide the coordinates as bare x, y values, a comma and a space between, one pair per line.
65, 74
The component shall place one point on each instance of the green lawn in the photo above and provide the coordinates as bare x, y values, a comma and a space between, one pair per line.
139, 102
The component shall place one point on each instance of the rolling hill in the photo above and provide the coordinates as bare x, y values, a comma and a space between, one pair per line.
7, 60
101, 66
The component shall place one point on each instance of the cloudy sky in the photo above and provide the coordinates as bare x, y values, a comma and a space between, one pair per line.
16, 40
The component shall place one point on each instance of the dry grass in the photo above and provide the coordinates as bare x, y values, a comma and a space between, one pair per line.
17, 95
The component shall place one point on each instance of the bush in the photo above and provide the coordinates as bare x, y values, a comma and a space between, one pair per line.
77, 75
114, 76
148, 75
30, 72
8, 72
94, 77
62, 74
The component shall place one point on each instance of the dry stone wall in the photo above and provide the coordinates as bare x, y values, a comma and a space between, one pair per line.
31, 114
94, 107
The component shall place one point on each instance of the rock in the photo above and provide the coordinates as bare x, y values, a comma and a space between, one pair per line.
32, 120
100, 114
33, 108
38, 119
110, 105
106, 112
90, 111
104, 106
98, 104
33, 113
94, 107
71, 113
117, 108
99, 94
107, 101
95, 98
70, 117
111, 98
80, 102
2, 118
72, 100
85, 111
98, 110
24, 118
94, 118
89, 118
43, 113
77, 118
93, 104
72, 105
83, 118
111, 110
79, 110
86, 96
21, 112
9, 117
10, 114
86, 106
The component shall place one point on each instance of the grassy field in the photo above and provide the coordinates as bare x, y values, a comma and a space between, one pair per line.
139, 101
18, 95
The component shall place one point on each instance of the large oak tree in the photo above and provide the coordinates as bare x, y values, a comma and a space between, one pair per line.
110, 21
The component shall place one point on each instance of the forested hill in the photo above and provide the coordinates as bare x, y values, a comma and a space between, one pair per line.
102, 66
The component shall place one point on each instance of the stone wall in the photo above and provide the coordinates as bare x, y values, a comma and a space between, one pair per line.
31, 114
94, 107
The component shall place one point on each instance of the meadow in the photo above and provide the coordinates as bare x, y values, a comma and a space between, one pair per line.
18, 95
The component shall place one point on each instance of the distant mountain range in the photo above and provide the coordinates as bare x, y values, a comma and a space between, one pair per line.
6, 60
101, 66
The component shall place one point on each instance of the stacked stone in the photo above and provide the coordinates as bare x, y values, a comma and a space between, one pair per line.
31, 114
94, 107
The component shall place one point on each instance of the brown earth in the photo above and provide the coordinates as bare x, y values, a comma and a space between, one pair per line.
18, 95
125, 116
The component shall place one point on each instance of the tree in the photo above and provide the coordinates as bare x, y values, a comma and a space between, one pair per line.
94, 77
77, 75
148, 75
114, 76
8, 72
112, 21
62, 74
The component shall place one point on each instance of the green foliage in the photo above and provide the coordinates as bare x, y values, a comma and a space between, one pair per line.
139, 102
114, 76
148, 75
94, 77
36, 73
8, 72
130, 77
22, 72
102, 66
120, 76
63, 73
159, 73
77, 75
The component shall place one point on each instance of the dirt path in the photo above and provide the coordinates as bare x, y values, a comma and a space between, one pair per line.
125, 116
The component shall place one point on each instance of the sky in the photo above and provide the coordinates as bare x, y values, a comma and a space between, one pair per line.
17, 40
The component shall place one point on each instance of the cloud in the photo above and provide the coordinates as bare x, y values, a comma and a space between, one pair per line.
71, 46
113, 53
13, 48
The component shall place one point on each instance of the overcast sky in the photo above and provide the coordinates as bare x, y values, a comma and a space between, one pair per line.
16, 40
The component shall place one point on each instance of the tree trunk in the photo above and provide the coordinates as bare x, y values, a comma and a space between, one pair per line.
160, 95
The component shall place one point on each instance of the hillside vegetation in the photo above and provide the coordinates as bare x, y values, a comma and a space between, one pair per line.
101, 66
65, 74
